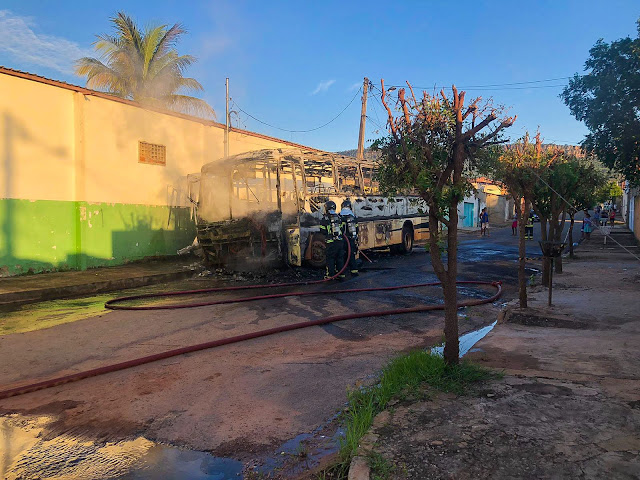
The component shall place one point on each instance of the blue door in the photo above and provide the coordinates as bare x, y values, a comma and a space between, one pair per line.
468, 215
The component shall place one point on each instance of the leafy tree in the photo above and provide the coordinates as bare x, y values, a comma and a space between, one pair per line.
144, 66
586, 189
610, 191
516, 166
607, 100
432, 146
554, 181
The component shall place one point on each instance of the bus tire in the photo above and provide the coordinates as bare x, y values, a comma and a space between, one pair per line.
406, 246
318, 258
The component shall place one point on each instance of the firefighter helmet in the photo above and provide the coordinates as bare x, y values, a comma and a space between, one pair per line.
330, 205
346, 203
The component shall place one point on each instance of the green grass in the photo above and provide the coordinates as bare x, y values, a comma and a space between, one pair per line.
381, 468
404, 375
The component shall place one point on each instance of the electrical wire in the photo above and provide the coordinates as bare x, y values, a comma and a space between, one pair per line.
499, 86
301, 131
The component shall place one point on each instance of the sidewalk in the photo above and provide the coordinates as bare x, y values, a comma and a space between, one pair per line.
51, 286
568, 405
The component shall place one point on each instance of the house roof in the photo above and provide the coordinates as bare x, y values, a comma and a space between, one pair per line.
86, 91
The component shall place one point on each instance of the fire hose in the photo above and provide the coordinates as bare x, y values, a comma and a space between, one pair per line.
114, 304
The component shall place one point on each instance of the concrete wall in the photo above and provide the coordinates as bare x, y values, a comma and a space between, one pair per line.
72, 191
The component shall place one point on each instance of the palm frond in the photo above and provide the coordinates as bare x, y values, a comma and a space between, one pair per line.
169, 40
150, 42
100, 76
189, 84
190, 106
144, 66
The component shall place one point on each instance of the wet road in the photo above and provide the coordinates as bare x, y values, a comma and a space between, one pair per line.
242, 401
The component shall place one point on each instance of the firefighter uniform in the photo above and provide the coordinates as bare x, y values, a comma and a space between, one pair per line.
331, 226
528, 231
350, 229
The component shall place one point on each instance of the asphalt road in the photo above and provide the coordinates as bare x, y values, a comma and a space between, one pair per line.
245, 400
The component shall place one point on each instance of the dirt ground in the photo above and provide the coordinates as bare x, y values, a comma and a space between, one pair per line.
569, 403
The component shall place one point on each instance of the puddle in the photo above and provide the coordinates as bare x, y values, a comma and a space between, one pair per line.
170, 463
27, 453
301, 453
468, 340
29, 317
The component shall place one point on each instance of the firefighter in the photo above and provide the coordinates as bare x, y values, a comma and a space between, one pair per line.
528, 231
350, 229
331, 226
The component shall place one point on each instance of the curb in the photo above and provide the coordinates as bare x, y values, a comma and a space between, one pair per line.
66, 291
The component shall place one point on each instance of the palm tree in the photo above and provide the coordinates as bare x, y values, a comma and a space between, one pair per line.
144, 66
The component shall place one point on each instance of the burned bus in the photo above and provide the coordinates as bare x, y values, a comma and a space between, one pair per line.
267, 205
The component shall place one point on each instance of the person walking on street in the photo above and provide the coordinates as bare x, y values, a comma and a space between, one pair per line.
484, 222
514, 225
528, 229
587, 226
612, 217
604, 217
331, 226
350, 229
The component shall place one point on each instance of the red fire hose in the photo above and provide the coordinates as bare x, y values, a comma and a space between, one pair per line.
32, 387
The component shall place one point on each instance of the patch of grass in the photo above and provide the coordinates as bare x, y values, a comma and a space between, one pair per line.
381, 468
404, 374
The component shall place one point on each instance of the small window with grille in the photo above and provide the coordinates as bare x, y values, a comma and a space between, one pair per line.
152, 153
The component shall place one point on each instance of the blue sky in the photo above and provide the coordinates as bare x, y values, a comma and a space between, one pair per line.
296, 65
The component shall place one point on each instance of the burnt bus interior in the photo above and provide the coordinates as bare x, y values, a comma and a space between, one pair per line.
264, 204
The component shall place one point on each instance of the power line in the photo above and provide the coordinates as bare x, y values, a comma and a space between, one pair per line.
485, 88
497, 86
517, 83
301, 131
375, 123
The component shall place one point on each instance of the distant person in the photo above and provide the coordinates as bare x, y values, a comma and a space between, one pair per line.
612, 217
587, 226
484, 222
528, 229
604, 217
514, 225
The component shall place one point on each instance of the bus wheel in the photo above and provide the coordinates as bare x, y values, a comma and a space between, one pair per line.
407, 240
318, 252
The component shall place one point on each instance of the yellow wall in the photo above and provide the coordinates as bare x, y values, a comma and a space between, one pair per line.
36, 140
57, 144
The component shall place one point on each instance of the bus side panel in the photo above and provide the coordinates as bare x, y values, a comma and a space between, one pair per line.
366, 235
421, 228
396, 231
382, 237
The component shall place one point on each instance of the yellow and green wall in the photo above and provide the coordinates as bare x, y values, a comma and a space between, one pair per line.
73, 194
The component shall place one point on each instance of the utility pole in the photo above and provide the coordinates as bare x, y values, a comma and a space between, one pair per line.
226, 117
363, 119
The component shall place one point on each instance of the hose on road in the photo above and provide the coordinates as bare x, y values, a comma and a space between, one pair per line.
115, 304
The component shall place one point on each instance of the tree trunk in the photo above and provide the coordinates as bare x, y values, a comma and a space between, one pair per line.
572, 217
545, 260
522, 252
451, 347
557, 263
450, 290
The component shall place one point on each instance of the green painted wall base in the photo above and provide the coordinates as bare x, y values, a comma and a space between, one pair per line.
43, 235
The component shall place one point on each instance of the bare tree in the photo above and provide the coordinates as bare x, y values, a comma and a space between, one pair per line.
432, 147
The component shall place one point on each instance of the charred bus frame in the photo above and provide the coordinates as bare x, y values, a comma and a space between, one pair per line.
268, 205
